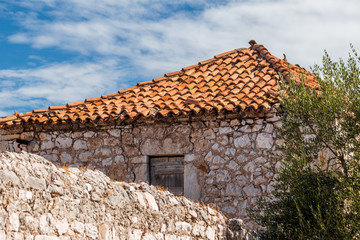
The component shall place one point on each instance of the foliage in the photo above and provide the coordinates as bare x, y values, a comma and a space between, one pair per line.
317, 195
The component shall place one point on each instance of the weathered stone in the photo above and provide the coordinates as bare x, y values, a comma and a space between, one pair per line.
225, 130
233, 189
65, 157
252, 191
36, 183
63, 142
14, 223
80, 144
85, 156
62, 226
77, 227
47, 145
210, 233
183, 226
243, 141
151, 201
153, 236
250, 167
264, 140
115, 132
8, 177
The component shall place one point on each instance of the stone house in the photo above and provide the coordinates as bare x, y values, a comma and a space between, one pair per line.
207, 131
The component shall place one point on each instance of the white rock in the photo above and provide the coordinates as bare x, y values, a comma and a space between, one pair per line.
78, 227
151, 201
153, 236
14, 222
183, 226
62, 226
135, 234
91, 231
264, 140
210, 233
2, 235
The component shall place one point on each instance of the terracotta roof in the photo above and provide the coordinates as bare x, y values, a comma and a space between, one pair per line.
239, 80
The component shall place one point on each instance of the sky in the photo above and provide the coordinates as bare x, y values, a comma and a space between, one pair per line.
58, 51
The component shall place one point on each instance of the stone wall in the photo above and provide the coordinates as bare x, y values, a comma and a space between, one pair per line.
227, 160
39, 201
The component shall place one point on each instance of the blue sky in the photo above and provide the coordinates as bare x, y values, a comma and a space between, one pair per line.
54, 52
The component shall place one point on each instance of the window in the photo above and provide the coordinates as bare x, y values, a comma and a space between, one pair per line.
168, 172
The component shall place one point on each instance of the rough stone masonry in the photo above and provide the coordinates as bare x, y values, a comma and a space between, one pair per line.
227, 160
39, 201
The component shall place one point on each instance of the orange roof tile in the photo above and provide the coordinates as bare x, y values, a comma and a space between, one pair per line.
239, 80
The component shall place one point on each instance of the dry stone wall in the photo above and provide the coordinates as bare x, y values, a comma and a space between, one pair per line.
228, 160
39, 201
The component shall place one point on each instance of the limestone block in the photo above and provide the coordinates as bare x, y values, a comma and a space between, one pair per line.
192, 187
151, 201
14, 223
264, 140
153, 236
8, 177
78, 227
36, 183
256, 127
47, 145
233, 165
209, 134
105, 232
241, 158
226, 130
233, 189
224, 140
218, 160
252, 191
63, 142
243, 141
222, 176
245, 129
250, 167
80, 144
91, 231
135, 234
85, 156
198, 230
62, 226
183, 226
44, 225
115, 132
210, 233
269, 128
65, 157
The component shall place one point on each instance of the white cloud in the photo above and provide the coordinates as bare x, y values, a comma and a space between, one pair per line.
154, 39
58, 83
